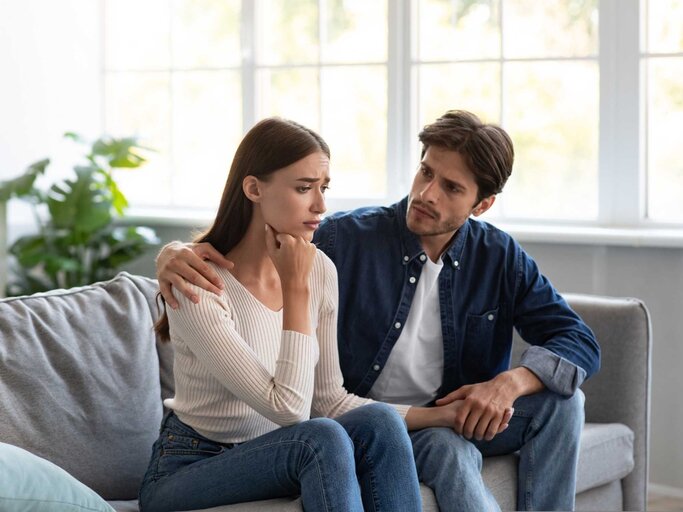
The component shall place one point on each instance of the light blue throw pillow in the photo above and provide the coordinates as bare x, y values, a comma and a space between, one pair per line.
31, 484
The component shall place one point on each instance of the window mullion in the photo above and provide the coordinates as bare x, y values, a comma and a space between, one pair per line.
248, 43
621, 183
400, 99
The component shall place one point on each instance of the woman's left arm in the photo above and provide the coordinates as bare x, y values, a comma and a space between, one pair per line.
330, 398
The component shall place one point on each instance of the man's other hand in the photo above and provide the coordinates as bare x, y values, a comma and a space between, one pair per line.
486, 406
179, 264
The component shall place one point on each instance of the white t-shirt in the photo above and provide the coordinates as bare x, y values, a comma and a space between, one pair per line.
414, 371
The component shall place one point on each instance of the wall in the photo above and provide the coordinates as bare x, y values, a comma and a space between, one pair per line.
51, 81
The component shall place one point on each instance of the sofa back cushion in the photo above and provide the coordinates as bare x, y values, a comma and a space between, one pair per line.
79, 380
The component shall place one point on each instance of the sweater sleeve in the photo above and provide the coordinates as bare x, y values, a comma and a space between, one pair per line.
208, 330
330, 398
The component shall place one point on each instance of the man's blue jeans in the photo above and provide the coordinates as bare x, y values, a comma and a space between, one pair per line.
545, 428
361, 459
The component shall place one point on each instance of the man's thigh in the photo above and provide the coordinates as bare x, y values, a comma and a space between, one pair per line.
438, 446
531, 412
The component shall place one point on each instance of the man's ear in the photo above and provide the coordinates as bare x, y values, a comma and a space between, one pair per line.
250, 186
483, 205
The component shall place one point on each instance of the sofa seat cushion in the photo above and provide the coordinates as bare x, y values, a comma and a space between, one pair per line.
275, 505
80, 381
606, 455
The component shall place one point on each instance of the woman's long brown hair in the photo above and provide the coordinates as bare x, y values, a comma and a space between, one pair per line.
270, 145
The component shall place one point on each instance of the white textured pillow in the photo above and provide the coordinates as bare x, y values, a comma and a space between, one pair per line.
32, 484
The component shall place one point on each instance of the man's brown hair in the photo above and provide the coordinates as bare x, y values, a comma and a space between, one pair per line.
486, 148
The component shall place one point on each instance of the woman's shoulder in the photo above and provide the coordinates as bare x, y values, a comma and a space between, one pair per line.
209, 298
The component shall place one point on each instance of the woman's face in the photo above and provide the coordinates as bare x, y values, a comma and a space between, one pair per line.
293, 199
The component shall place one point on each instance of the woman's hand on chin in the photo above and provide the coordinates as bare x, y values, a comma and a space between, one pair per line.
292, 256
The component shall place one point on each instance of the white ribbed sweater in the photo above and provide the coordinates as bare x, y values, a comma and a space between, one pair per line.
239, 375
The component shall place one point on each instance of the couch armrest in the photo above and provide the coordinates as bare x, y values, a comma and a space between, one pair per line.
620, 391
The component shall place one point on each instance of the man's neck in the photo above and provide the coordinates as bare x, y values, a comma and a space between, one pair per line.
435, 245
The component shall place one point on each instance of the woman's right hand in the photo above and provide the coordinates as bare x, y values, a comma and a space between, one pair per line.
293, 258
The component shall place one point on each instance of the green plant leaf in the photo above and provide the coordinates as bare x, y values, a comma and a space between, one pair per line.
118, 200
75, 137
81, 205
30, 250
125, 243
22, 186
55, 263
123, 152
25, 283
78, 243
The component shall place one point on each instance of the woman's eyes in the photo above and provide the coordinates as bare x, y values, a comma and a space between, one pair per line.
306, 188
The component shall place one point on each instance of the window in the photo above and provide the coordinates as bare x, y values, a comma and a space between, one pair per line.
533, 68
324, 63
593, 111
173, 76
662, 63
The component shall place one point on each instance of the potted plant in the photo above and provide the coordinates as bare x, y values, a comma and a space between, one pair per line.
78, 240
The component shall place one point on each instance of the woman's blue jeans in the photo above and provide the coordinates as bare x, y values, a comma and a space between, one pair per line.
362, 460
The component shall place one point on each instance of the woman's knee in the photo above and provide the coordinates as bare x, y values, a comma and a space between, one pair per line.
325, 433
382, 415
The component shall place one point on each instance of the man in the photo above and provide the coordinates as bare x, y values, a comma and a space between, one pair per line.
428, 299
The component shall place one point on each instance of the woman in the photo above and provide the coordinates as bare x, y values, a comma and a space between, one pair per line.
252, 365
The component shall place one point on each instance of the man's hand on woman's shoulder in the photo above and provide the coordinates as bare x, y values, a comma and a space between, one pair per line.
181, 263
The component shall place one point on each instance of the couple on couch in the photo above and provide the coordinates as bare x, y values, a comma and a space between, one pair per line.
394, 335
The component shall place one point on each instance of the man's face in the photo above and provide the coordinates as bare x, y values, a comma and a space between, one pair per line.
443, 196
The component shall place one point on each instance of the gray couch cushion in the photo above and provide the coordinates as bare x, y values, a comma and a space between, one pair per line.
79, 381
606, 455
275, 505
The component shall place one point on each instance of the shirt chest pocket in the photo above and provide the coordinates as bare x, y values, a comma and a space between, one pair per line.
478, 359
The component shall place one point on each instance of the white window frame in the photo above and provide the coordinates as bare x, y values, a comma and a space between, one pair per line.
622, 181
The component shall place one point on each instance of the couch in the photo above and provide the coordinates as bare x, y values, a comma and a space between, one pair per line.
82, 378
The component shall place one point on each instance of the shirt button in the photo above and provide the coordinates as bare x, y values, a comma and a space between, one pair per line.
456, 263
405, 258
422, 257
490, 317
397, 325
412, 280
376, 367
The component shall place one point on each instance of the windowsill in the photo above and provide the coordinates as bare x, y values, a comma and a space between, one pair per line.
639, 236
595, 235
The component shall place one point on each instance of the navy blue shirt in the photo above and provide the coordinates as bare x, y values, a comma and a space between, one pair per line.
487, 286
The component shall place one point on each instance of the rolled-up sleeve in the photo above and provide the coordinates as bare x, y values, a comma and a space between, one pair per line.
557, 373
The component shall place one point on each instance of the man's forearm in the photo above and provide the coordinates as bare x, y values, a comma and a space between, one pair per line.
520, 381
